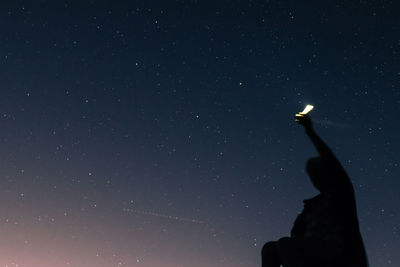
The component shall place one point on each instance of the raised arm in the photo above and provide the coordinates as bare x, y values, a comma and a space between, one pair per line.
337, 175
319, 144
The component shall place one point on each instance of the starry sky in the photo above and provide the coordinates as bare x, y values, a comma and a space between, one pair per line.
162, 133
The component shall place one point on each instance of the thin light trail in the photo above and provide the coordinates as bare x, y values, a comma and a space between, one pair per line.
332, 123
166, 216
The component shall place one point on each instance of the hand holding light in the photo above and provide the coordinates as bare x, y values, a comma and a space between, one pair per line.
303, 119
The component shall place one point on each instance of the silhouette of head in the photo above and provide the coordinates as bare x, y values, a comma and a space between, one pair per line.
318, 171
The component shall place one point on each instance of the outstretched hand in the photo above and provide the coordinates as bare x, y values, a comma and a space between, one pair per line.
304, 120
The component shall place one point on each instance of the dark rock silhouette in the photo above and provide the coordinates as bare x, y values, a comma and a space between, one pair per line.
326, 232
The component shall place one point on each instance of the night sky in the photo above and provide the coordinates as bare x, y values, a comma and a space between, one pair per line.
162, 133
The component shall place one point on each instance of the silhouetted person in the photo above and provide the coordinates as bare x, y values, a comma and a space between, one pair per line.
326, 232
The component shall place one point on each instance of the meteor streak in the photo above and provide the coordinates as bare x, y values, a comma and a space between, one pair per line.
332, 123
166, 216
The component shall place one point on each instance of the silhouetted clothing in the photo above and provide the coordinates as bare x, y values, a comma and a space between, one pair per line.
331, 217
326, 232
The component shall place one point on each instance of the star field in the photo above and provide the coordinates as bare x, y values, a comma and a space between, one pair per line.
162, 133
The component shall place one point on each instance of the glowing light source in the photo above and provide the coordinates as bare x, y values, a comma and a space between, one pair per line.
307, 109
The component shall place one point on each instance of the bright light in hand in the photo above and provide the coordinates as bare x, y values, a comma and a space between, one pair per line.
307, 109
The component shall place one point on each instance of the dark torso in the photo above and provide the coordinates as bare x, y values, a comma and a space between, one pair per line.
327, 217
332, 217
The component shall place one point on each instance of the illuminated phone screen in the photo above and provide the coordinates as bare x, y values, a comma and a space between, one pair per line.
307, 109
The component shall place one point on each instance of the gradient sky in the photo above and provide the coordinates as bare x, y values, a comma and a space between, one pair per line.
162, 133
